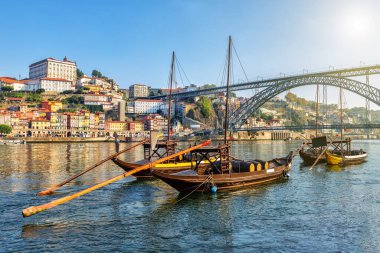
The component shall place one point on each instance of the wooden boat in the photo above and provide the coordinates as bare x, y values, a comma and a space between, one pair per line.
224, 173
311, 155
171, 167
348, 156
191, 181
310, 152
353, 157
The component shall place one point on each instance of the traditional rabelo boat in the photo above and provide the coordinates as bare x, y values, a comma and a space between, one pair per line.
225, 173
310, 152
154, 150
348, 156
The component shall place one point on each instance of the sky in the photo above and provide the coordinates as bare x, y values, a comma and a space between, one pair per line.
132, 41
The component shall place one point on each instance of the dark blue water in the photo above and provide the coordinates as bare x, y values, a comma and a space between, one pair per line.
324, 210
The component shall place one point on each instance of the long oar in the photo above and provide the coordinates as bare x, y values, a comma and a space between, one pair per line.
320, 155
36, 209
52, 189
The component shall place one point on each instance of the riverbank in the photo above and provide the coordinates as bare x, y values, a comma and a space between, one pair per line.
59, 139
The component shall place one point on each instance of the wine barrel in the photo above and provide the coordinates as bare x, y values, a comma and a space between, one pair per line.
257, 165
218, 165
242, 166
264, 164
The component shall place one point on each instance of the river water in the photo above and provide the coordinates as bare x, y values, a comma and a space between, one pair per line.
323, 210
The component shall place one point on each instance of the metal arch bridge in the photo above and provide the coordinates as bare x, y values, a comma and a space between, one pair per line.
252, 104
348, 72
312, 127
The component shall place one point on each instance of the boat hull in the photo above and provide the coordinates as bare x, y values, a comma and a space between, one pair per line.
333, 159
310, 158
188, 181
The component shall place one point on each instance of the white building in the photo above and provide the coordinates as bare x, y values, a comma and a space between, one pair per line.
97, 99
147, 106
55, 84
138, 90
52, 68
12, 82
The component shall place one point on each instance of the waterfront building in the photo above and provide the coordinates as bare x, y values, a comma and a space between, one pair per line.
155, 123
52, 106
23, 123
136, 126
52, 68
147, 106
138, 90
100, 119
5, 118
116, 125
40, 124
58, 121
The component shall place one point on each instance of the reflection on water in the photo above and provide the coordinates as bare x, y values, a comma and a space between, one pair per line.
318, 210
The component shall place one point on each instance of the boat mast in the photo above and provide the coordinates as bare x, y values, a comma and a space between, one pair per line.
228, 90
170, 94
316, 112
341, 113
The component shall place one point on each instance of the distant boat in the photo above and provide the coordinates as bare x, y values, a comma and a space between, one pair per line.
352, 157
5, 142
349, 156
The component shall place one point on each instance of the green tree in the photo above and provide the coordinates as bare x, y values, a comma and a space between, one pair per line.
205, 106
34, 97
7, 88
5, 129
15, 95
290, 97
96, 73
39, 91
94, 108
80, 74
75, 99
190, 114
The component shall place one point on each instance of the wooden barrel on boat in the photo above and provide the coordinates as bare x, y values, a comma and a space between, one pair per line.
257, 165
264, 164
218, 165
242, 166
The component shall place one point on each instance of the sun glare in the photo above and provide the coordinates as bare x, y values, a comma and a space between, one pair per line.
356, 22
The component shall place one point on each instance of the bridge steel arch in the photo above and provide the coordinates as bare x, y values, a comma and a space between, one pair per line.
246, 109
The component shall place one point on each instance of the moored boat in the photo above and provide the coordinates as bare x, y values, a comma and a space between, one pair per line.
224, 173
352, 157
191, 181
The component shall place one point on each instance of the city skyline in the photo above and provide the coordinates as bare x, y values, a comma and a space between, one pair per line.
131, 41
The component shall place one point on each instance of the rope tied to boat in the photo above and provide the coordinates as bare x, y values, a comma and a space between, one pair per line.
208, 179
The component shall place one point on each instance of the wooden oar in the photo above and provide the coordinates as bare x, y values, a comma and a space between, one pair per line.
52, 189
36, 209
319, 157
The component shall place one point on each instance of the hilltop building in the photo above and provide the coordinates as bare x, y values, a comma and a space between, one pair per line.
52, 68
138, 90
